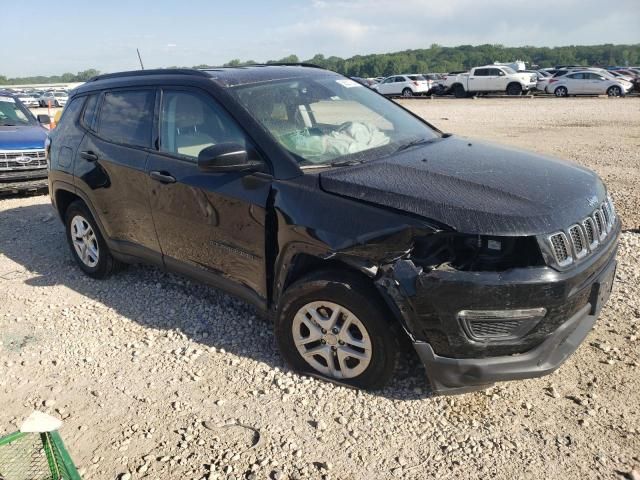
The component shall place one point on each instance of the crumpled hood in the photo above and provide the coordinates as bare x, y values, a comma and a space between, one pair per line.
30, 137
475, 187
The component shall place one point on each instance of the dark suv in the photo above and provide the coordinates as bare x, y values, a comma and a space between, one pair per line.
351, 222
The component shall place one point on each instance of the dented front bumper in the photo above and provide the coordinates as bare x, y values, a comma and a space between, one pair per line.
429, 302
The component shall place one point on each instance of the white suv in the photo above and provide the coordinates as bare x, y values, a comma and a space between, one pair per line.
406, 85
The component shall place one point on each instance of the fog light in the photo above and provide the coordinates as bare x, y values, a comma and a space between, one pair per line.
496, 325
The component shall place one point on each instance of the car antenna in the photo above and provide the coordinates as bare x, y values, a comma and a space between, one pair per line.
140, 58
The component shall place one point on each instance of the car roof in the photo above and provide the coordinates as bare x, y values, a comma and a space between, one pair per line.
223, 76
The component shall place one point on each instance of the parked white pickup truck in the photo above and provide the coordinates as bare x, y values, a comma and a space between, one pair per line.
492, 78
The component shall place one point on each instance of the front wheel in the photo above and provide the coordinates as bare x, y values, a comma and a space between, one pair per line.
561, 92
514, 89
407, 92
614, 91
333, 325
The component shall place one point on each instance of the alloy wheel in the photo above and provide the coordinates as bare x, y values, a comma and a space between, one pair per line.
85, 241
332, 340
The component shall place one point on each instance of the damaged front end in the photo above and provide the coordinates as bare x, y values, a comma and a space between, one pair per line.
480, 309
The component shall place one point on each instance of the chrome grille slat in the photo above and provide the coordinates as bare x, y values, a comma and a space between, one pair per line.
578, 241
561, 249
601, 229
590, 230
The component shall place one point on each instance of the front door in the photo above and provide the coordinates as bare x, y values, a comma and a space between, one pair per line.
210, 225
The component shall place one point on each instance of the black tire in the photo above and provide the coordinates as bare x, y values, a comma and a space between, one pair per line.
614, 91
106, 264
514, 89
350, 292
459, 91
56, 104
407, 92
561, 92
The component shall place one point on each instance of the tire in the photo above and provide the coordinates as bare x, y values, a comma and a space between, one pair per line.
94, 259
561, 92
514, 89
360, 329
614, 91
407, 92
459, 91
56, 104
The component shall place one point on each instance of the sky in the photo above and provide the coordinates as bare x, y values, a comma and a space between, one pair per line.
53, 37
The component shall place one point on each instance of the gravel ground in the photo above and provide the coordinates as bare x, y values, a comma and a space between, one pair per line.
156, 376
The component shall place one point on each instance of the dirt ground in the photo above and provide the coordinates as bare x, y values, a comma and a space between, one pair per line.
156, 376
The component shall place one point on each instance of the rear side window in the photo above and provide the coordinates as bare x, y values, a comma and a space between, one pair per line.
480, 72
70, 114
90, 111
127, 117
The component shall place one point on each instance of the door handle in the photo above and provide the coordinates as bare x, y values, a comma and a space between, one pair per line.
162, 177
89, 155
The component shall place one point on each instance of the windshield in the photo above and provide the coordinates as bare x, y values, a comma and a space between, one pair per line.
60, 94
509, 70
324, 120
13, 114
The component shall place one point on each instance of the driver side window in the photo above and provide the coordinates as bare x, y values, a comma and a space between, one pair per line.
191, 122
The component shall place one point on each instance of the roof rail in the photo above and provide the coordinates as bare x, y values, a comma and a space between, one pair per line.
272, 64
155, 71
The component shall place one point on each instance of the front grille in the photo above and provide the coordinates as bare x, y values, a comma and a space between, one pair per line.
22, 159
561, 251
582, 238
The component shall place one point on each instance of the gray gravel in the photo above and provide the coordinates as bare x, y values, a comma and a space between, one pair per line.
156, 376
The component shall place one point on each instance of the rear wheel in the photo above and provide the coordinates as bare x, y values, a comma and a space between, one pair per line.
614, 91
459, 91
561, 92
514, 89
333, 325
86, 242
407, 92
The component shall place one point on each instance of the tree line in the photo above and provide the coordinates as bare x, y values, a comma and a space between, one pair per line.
436, 58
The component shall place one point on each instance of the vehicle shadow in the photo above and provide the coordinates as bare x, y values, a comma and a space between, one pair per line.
33, 237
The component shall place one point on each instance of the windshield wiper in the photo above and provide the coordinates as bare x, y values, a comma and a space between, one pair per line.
413, 143
344, 163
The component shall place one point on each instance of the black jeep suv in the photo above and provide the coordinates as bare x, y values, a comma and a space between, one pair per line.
353, 223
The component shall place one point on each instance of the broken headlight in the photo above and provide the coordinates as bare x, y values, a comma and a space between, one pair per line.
476, 252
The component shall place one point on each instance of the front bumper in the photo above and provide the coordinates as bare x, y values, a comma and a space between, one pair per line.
429, 303
23, 181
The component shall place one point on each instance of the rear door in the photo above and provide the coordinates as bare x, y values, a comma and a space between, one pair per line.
477, 81
210, 225
385, 86
111, 168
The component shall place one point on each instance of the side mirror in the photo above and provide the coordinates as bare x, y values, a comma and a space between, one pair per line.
227, 157
44, 119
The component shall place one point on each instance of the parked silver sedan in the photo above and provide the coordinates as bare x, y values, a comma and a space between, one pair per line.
588, 83
56, 99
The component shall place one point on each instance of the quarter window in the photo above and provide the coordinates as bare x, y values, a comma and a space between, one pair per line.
191, 122
127, 117
90, 111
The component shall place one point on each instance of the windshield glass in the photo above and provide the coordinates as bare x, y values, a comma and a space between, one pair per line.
323, 120
509, 70
13, 114
60, 94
